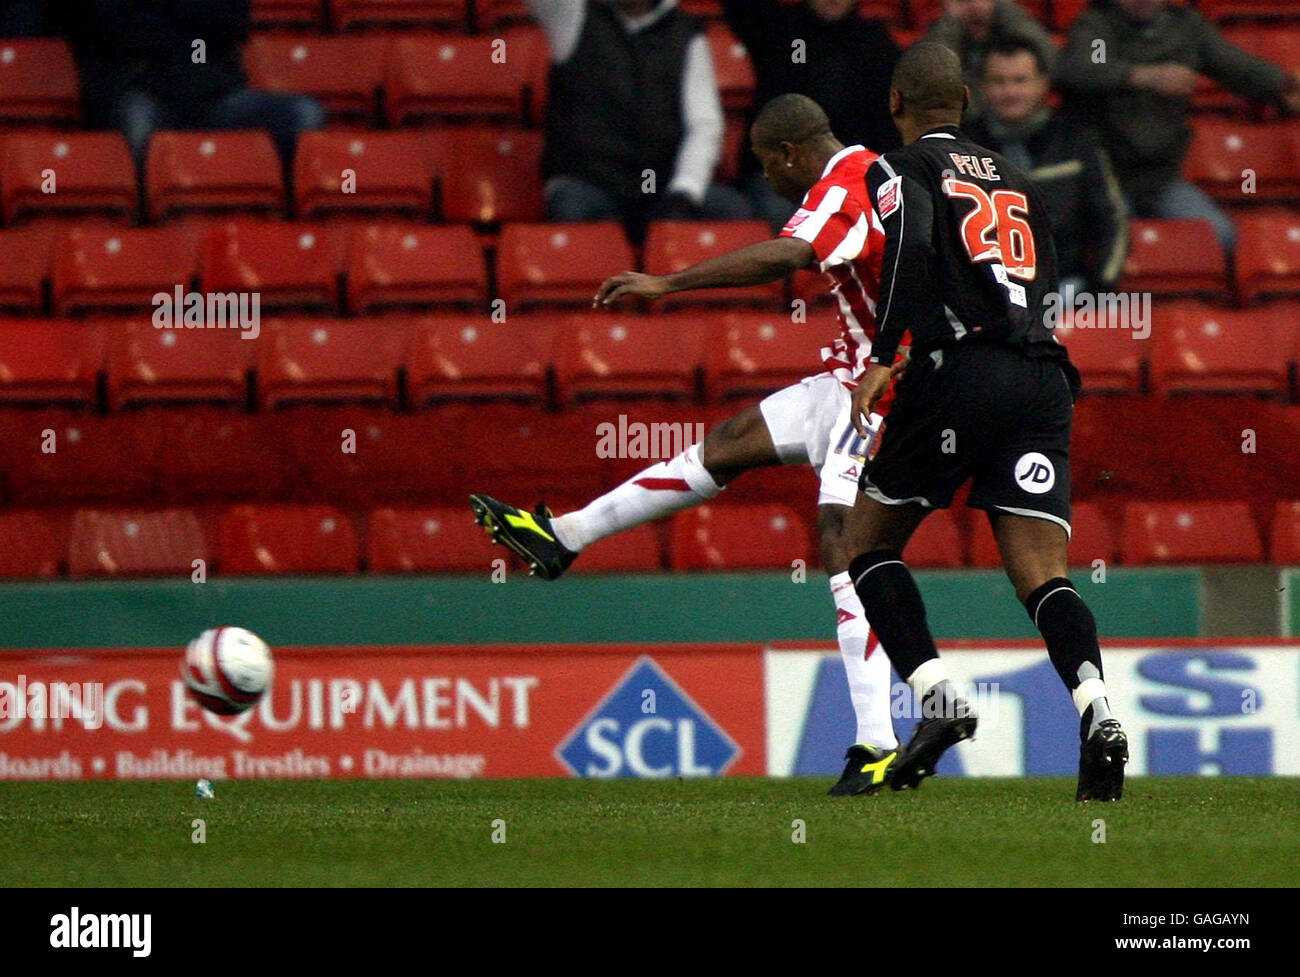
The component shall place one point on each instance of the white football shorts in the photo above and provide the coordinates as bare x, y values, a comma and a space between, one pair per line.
810, 425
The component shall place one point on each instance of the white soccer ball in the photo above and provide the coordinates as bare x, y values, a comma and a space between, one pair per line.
226, 670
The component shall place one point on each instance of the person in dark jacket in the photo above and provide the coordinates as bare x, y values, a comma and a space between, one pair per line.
1131, 66
823, 49
972, 28
634, 123
1062, 156
174, 64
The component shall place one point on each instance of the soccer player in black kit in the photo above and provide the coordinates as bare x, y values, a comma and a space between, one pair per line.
987, 396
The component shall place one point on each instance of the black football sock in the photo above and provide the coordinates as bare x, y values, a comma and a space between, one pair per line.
894, 609
1070, 632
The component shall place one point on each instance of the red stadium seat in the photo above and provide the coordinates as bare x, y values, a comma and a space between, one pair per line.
671, 246
731, 65
368, 171
404, 265
26, 268
119, 268
288, 265
343, 72
937, 542
135, 543
56, 455
330, 360
151, 365
598, 354
455, 357
68, 173
38, 81
287, 13
755, 353
558, 264
1284, 548
487, 175
213, 172
429, 540
1234, 10
1225, 153
1189, 532
1174, 257
1198, 348
287, 539
737, 537
206, 454
30, 545
50, 361
1279, 43
451, 76
1268, 255
494, 13
634, 549
706, 9
1064, 12
1108, 352
1091, 538
399, 13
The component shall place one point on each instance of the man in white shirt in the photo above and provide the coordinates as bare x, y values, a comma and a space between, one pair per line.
634, 124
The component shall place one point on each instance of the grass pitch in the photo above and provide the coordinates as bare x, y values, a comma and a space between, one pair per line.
1227, 831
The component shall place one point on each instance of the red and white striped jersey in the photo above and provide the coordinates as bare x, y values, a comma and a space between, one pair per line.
837, 219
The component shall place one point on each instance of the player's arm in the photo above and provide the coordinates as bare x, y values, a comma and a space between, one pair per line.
907, 285
757, 264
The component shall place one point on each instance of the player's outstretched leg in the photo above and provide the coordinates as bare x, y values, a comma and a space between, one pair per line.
549, 543
1033, 551
896, 611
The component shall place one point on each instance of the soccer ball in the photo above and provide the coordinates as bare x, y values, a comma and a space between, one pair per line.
226, 670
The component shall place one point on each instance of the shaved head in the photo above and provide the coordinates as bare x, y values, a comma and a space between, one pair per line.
790, 118
792, 139
928, 78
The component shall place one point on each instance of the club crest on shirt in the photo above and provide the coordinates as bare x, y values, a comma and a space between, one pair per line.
888, 200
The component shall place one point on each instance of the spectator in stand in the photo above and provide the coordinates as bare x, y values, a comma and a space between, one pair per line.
1137, 92
633, 119
142, 70
1084, 201
844, 65
974, 27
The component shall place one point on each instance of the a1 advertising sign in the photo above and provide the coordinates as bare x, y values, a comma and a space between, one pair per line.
509, 711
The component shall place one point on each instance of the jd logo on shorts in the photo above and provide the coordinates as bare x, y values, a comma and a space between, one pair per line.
1035, 474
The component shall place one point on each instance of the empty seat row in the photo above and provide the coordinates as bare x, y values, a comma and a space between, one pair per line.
436, 358
1186, 347
295, 539
568, 358
478, 174
357, 267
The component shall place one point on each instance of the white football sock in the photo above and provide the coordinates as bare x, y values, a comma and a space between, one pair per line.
868, 675
658, 491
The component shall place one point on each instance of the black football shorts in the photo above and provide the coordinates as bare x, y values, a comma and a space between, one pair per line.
984, 412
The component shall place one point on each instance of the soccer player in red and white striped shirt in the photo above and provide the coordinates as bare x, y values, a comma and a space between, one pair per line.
836, 231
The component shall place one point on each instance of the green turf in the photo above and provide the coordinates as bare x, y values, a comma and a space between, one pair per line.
1166, 832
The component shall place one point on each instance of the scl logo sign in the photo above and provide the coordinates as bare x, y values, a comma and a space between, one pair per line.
647, 726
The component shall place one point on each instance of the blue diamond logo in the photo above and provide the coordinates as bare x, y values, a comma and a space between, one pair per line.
647, 726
